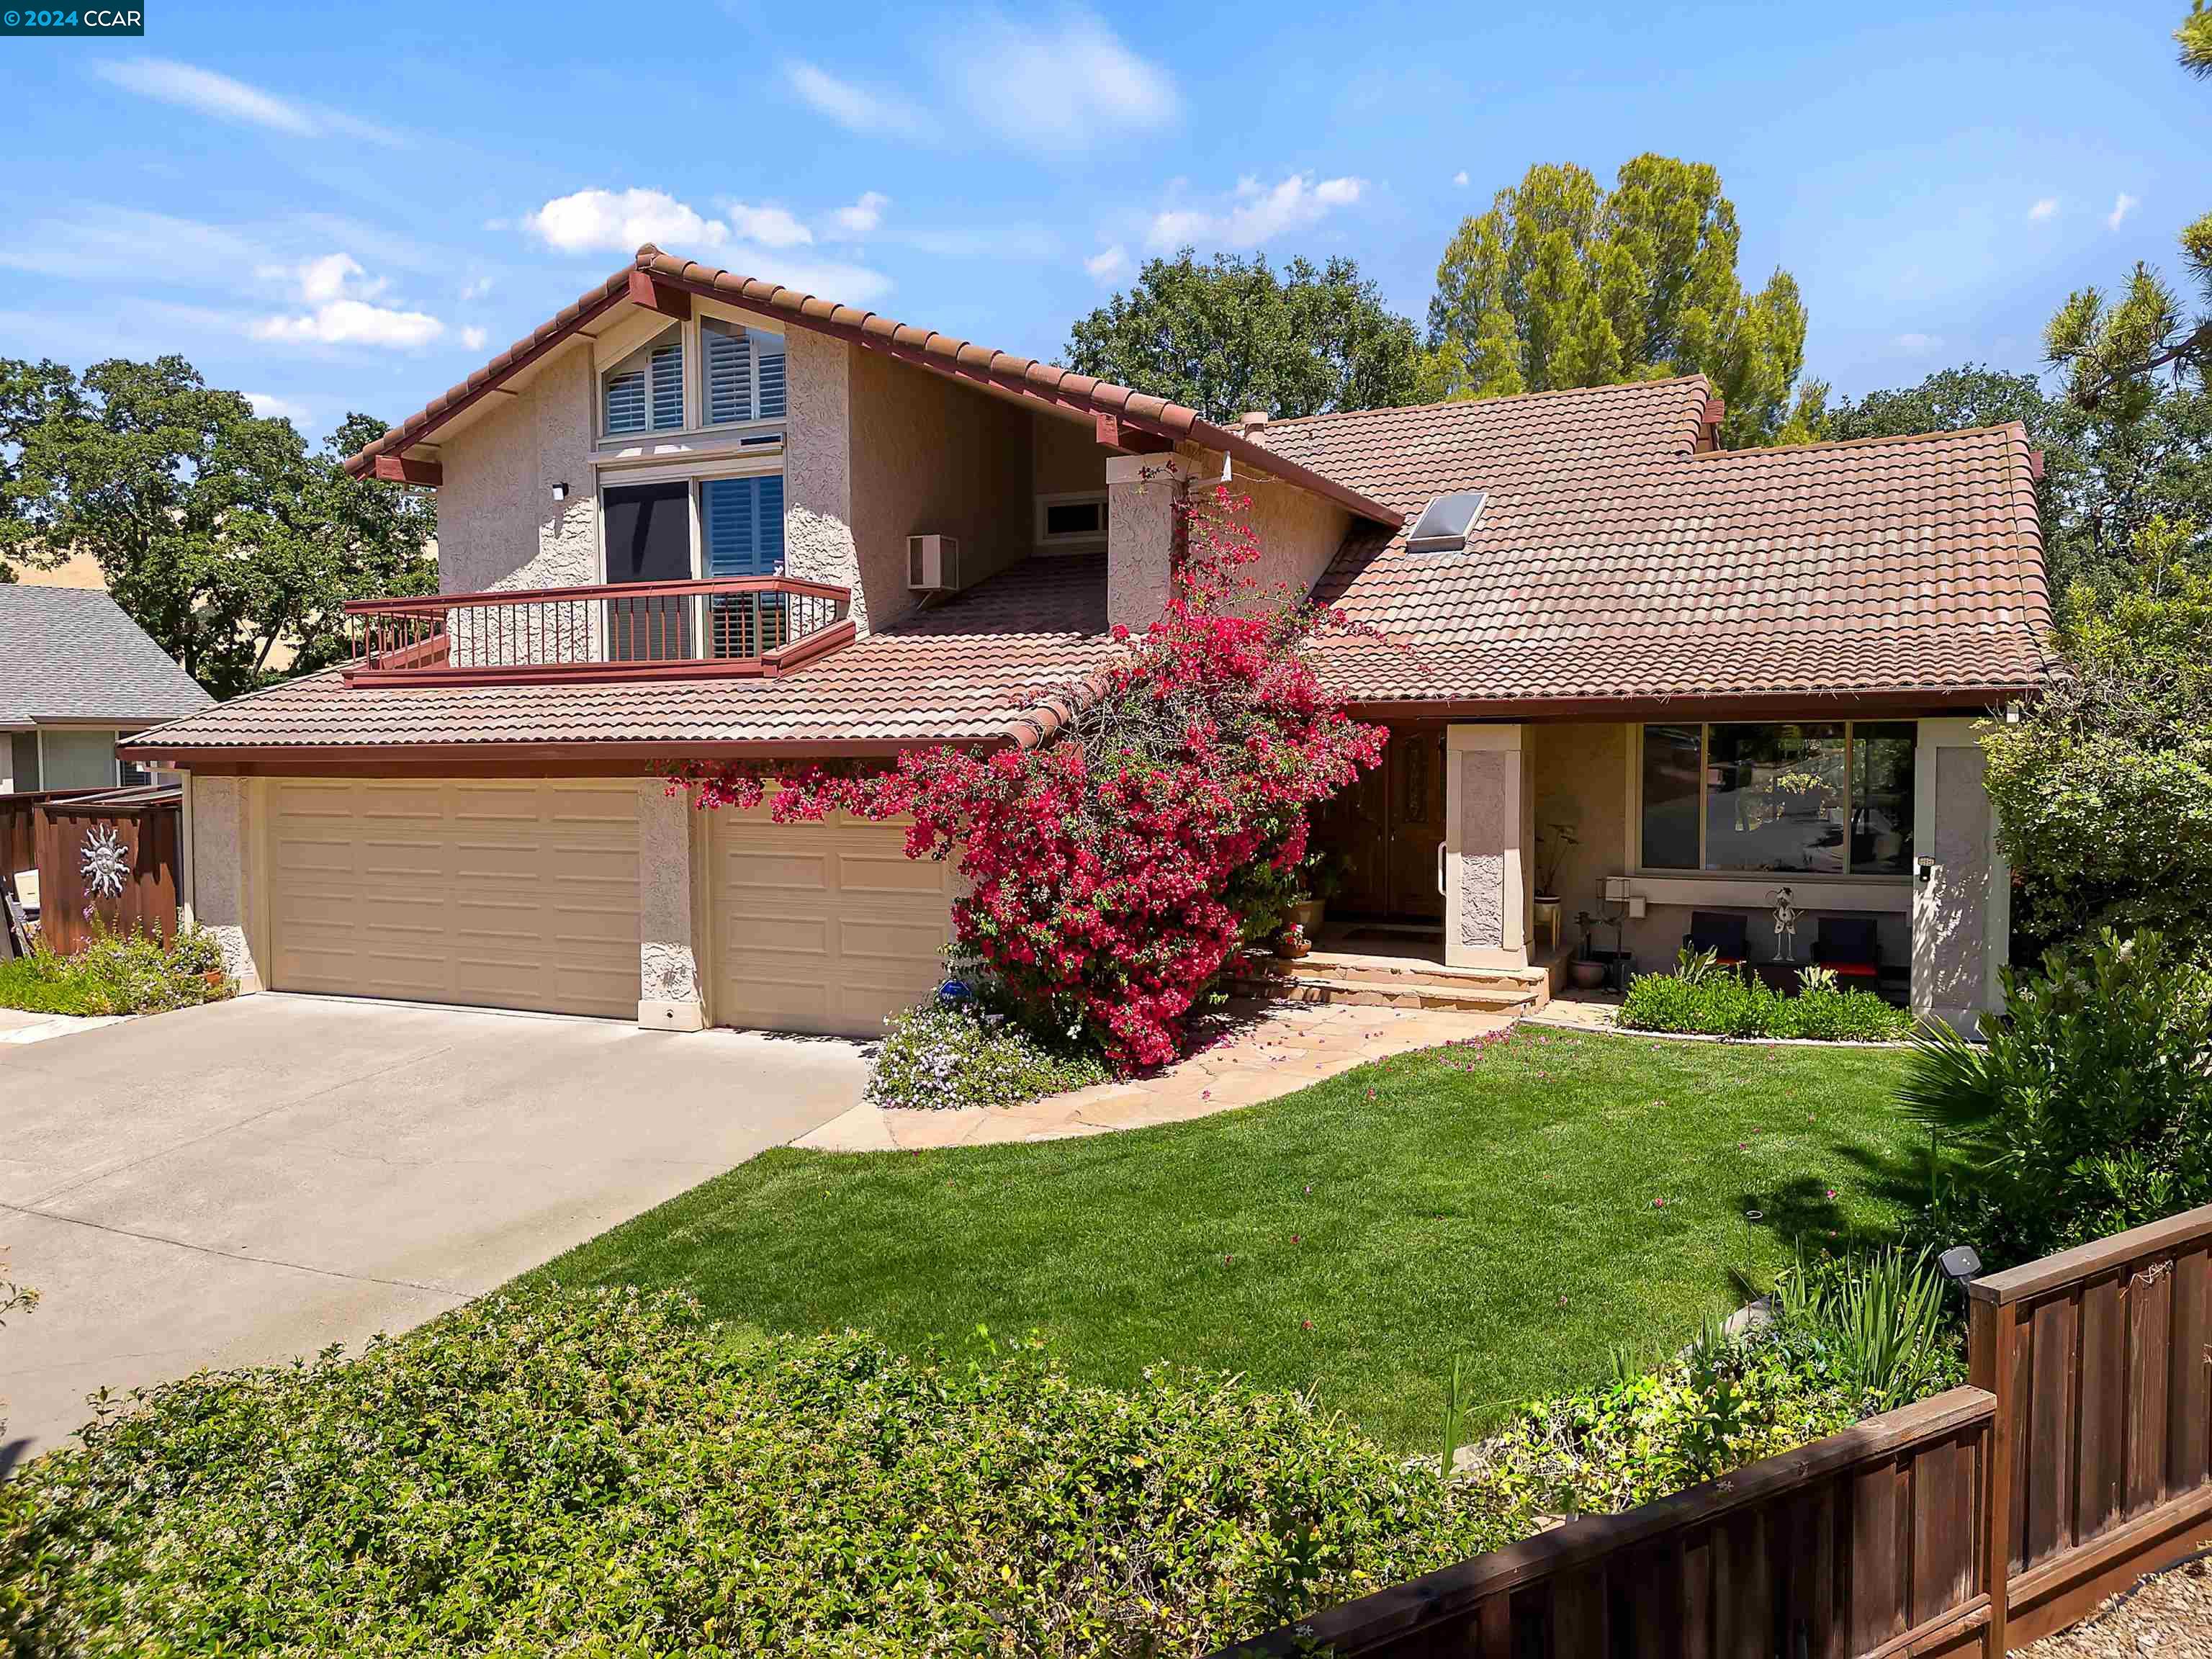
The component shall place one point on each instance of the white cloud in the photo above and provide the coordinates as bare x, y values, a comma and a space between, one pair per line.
1110, 265
592, 220
771, 226
476, 289
2121, 209
1918, 345
1256, 213
1068, 85
856, 108
272, 408
864, 215
620, 219
475, 338
339, 293
170, 82
1460, 178
2044, 208
332, 276
352, 322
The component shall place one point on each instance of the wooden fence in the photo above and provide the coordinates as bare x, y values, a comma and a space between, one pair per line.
2078, 1457
19, 826
143, 824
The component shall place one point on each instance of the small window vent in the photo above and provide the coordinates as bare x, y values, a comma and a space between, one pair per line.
1446, 522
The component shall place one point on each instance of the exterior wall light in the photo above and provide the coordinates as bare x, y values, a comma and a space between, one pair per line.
560, 492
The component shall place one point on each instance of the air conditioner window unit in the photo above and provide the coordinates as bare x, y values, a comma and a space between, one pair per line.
932, 564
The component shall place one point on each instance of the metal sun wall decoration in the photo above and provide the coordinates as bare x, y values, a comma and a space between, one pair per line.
106, 865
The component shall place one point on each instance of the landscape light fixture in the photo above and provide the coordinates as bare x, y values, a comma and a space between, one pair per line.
1959, 1263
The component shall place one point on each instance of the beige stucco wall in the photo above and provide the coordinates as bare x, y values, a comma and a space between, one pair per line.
932, 457
1067, 457
817, 476
1298, 532
498, 524
1580, 777
220, 889
668, 996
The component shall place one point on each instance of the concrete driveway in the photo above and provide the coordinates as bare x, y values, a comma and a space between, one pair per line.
254, 1180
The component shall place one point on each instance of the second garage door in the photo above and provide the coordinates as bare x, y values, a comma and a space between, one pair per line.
501, 893
822, 926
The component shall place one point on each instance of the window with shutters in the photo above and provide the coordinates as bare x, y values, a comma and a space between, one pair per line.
644, 392
741, 524
743, 373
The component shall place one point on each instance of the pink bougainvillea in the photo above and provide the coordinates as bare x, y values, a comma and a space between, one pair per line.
1112, 869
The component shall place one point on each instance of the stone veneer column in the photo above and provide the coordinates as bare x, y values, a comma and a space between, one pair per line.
1489, 826
1141, 527
221, 889
668, 998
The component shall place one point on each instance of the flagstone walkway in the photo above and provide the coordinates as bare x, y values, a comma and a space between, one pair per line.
1263, 1052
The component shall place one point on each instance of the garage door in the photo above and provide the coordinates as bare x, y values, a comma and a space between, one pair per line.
505, 894
822, 926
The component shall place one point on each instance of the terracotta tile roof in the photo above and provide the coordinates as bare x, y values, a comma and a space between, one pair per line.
958, 359
998, 663
1613, 563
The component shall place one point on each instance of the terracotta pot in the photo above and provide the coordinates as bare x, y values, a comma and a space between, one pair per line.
1291, 949
1588, 975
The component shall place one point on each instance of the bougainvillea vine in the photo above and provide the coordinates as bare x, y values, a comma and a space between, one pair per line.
1112, 870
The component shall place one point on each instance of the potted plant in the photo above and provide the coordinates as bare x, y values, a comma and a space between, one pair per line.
1552, 844
1321, 873
1586, 971
1293, 944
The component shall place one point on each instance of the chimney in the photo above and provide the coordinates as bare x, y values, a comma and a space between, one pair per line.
1251, 423
1709, 426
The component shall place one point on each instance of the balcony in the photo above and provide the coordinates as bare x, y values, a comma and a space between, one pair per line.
759, 626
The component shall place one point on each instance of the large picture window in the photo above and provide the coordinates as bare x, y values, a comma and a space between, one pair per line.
1810, 798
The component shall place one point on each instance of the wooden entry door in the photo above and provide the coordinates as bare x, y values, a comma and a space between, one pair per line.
1388, 827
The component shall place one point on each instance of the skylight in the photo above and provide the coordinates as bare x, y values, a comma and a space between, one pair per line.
1445, 522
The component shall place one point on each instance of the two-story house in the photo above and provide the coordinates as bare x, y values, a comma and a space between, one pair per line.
696, 515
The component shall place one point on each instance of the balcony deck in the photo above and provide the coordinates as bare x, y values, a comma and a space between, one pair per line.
754, 626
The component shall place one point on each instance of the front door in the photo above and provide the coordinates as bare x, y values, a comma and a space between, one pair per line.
1386, 827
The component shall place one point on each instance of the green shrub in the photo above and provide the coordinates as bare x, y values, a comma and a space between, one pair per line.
938, 1056
1700, 1000
1849, 1338
132, 973
611, 1473
2087, 1110
2103, 788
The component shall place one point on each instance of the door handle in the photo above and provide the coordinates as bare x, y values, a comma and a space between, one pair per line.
1440, 872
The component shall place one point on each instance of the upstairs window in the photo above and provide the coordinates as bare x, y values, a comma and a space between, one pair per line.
644, 391
744, 373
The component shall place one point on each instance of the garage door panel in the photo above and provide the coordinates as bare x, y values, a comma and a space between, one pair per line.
825, 927
519, 894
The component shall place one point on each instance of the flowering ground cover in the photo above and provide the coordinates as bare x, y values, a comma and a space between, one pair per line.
1525, 1205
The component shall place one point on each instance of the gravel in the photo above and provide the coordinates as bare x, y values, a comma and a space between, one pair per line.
2166, 1617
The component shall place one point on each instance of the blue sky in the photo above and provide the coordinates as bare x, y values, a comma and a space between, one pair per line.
336, 208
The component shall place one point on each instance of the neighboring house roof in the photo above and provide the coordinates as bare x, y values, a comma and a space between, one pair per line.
1613, 564
960, 359
992, 664
70, 653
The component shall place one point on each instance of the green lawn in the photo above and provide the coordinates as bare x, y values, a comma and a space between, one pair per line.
1525, 1207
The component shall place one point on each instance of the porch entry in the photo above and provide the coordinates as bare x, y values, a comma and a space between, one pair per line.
1389, 828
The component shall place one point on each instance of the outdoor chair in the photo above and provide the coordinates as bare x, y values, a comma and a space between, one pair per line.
1723, 933
1847, 946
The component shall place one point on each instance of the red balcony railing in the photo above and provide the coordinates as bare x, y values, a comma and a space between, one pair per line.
759, 625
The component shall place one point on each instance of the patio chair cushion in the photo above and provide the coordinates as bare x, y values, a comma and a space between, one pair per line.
1848, 944
1721, 932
